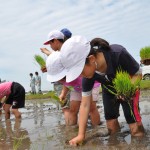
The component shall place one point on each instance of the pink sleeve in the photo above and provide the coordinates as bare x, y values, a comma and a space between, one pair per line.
97, 84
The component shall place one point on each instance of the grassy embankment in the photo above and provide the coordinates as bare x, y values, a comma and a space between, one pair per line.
145, 84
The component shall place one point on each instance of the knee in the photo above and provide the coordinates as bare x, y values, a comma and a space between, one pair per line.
74, 111
7, 112
93, 107
74, 107
16, 113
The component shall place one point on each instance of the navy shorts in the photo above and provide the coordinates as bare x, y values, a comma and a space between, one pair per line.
111, 108
17, 96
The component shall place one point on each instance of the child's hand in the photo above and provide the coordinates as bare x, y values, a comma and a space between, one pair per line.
62, 97
77, 140
120, 97
44, 69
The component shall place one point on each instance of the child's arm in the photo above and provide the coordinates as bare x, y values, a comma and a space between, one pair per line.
45, 51
64, 92
3, 99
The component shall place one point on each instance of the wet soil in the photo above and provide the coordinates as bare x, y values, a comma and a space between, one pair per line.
42, 127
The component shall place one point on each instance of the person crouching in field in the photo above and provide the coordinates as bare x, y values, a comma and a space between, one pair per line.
12, 95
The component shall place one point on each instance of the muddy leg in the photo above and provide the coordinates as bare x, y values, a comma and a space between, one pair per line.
7, 111
136, 129
113, 126
94, 114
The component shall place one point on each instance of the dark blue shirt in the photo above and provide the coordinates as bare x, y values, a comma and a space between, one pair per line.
116, 58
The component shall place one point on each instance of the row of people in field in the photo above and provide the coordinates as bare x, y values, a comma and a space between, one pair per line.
78, 67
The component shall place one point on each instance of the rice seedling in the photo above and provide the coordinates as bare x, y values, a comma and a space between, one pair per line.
56, 98
17, 142
123, 86
145, 53
40, 60
124, 89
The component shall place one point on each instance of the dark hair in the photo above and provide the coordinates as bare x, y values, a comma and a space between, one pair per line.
52, 40
60, 40
31, 74
98, 45
36, 73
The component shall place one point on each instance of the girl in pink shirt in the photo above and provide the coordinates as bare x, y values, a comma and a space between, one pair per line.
14, 95
75, 88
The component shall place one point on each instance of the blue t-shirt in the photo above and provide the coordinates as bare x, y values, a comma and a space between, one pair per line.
116, 58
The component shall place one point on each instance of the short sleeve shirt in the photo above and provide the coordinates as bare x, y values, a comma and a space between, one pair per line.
76, 85
38, 80
116, 58
5, 89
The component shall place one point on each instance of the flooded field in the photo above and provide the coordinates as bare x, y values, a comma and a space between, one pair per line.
42, 127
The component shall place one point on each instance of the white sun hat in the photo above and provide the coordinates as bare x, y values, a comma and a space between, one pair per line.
55, 34
73, 56
55, 69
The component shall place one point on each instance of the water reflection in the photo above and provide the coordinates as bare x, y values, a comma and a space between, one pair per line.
12, 136
38, 114
43, 127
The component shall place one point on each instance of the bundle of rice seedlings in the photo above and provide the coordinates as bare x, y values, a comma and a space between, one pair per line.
40, 60
145, 53
123, 86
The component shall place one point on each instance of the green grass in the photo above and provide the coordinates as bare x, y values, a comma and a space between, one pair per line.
50, 95
145, 84
37, 96
145, 53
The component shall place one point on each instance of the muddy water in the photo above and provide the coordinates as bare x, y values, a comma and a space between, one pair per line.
42, 127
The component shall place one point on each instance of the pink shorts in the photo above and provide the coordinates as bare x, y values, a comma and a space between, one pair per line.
77, 96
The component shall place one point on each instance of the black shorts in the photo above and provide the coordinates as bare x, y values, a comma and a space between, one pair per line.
17, 96
111, 108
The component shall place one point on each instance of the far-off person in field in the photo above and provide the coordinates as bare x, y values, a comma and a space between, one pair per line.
32, 84
38, 82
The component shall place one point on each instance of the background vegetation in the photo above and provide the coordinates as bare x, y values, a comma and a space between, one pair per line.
145, 53
145, 84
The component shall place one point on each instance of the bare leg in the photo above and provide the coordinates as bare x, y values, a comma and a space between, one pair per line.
66, 112
94, 114
7, 111
0, 115
113, 126
71, 114
16, 113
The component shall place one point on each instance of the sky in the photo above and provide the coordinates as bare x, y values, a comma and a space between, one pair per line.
25, 24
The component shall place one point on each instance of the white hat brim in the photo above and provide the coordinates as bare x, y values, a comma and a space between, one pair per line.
75, 71
56, 77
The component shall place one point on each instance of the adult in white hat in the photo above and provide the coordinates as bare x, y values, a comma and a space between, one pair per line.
99, 61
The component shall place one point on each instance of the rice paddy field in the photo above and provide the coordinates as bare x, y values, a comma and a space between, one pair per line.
42, 127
